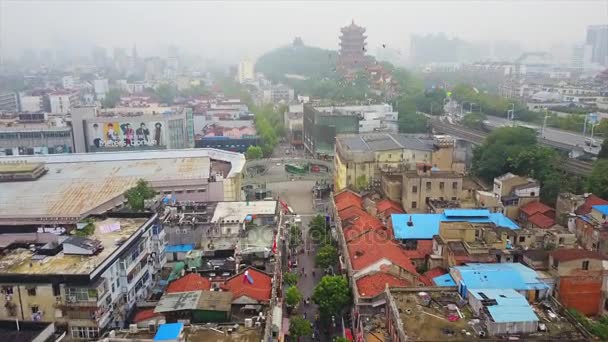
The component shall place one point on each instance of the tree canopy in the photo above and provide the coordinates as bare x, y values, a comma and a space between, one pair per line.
138, 194
604, 150
290, 278
293, 296
332, 294
514, 149
166, 93
254, 152
311, 62
326, 256
112, 98
299, 327
598, 181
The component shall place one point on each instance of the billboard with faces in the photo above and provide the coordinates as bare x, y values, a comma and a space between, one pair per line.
126, 135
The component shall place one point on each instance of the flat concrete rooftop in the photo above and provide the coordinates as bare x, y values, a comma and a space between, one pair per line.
24, 261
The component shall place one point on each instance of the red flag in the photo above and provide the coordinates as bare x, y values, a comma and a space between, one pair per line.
274, 247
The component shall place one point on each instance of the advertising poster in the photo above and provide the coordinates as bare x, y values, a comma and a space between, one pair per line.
126, 134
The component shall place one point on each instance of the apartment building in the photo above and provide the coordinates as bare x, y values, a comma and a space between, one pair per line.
365, 158
34, 133
62, 101
424, 184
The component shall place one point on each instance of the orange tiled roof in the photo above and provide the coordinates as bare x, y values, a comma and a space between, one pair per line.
372, 285
541, 220
435, 272
590, 201
347, 199
535, 207
260, 289
144, 315
189, 282
569, 254
386, 204
361, 224
351, 212
375, 245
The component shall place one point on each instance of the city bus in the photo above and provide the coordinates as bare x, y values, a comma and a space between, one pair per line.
296, 169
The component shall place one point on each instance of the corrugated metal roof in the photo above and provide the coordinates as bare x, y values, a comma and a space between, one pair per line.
383, 142
500, 276
78, 183
511, 305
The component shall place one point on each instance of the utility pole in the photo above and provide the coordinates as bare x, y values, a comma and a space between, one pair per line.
542, 132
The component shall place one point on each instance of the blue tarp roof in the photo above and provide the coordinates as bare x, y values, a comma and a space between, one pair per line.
179, 248
499, 276
444, 280
168, 331
601, 208
426, 225
511, 305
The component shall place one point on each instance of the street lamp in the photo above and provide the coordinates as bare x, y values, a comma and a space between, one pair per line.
511, 113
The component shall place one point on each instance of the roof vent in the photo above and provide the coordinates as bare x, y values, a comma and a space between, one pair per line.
410, 223
358, 253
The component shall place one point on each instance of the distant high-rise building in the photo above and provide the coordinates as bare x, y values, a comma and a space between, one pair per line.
120, 59
352, 48
101, 88
581, 56
67, 82
246, 72
597, 37
99, 56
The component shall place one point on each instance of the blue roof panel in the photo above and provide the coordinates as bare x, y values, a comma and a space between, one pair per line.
500, 276
444, 280
424, 226
169, 331
179, 248
601, 208
466, 212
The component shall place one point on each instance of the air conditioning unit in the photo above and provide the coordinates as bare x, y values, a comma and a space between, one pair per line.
71, 299
133, 328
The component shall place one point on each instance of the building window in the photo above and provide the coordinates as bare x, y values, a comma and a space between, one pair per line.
428, 186
441, 185
414, 189
34, 308
560, 241
522, 239
453, 198
586, 265
532, 193
85, 332
7, 290
31, 291
202, 190
426, 200
455, 185
414, 205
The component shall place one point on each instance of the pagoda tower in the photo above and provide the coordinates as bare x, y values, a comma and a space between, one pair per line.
351, 56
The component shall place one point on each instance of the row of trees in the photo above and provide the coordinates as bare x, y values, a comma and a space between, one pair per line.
269, 124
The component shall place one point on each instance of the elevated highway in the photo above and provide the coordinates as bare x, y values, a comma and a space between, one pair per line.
573, 166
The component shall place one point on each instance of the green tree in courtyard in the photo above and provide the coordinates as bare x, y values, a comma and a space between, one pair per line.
299, 327
598, 181
332, 294
254, 152
138, 194
293, 296
326, 256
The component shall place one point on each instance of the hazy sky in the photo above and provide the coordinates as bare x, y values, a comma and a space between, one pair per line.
239, 28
